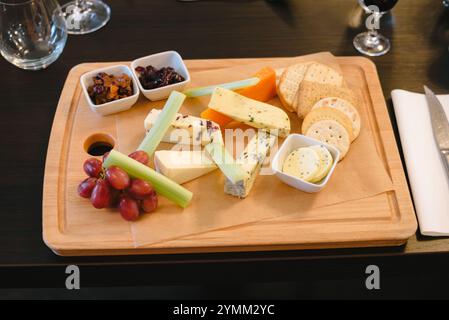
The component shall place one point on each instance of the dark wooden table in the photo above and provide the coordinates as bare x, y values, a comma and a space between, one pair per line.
419, 30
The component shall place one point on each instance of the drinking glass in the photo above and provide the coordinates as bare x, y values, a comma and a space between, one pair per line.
85, 16
32, 32
372, 43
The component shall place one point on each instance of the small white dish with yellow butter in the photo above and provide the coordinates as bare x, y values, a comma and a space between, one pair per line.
305, 163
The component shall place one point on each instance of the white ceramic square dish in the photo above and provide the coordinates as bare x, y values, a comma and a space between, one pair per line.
293, 142
160, 60
116, 105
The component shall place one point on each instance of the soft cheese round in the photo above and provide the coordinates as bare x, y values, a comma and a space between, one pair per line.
326, 162
303, 163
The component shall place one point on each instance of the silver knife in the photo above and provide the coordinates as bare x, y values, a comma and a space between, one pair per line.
440, 125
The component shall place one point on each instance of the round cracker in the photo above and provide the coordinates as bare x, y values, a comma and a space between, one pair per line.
327, 113
344, 106
331, 132
289, 83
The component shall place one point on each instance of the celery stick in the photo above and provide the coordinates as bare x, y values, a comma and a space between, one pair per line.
233, 171
163, 185
163, 122
204, 91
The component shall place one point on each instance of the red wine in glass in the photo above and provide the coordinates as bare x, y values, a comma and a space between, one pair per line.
383, 5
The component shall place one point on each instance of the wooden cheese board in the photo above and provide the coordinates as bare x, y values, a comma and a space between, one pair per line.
72, 227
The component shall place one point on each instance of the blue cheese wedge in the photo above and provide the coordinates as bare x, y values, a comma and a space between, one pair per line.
224, 160
186, 129
251, 112
250, 161
183, 166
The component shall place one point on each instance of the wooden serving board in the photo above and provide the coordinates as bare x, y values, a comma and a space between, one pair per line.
385, 219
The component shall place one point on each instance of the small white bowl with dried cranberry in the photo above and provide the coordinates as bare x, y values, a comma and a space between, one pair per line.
159, 74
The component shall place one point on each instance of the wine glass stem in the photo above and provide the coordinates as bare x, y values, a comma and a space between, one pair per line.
377, 16
373, 30
373, 33
372, 39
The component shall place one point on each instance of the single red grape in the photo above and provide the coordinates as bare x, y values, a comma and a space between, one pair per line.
140, 156
149, 203
93, 167
86, 186
115, 198
101, 196
117, 177
139, 189
129, 208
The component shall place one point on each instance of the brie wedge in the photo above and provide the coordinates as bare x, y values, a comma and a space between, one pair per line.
183, 166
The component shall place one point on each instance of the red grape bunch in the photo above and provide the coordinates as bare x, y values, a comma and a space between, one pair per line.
113, 187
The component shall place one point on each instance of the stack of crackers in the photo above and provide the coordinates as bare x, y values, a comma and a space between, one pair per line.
320, 97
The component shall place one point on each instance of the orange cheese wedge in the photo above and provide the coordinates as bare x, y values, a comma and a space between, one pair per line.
263, 91
216, 117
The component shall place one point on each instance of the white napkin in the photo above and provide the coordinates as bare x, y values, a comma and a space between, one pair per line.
426, 171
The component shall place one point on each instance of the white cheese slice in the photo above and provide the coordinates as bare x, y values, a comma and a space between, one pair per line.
186, 129
251, 112
183, 166
250, 161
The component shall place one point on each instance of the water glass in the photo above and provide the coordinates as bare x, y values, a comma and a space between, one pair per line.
32, 32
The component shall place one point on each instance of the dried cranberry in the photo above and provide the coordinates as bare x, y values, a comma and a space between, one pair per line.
140, 69
98, 89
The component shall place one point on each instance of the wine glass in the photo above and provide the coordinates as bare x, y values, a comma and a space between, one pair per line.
32, 32
85, 16
372, 43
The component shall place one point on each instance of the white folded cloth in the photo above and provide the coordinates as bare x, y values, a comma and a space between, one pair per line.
426, 171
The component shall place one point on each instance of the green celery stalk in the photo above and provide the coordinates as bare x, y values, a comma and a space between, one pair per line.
161, 184
204, 91
224, 160
163, 122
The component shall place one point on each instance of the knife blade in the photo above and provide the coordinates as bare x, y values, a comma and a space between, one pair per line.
440, 125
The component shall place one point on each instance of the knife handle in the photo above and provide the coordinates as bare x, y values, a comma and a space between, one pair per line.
445, 155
